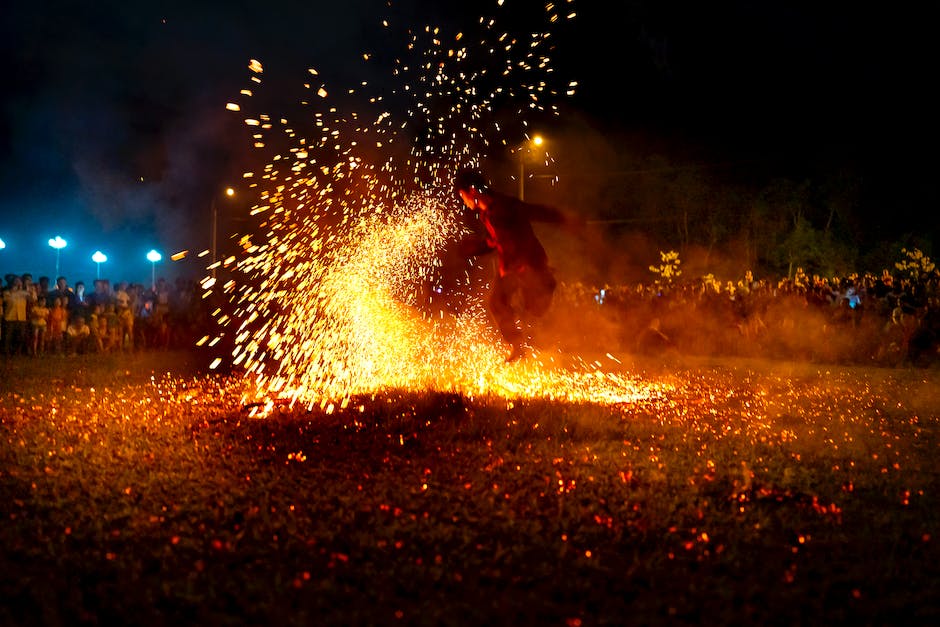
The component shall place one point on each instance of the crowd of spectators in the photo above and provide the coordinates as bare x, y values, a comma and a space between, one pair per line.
43, 319
883, 320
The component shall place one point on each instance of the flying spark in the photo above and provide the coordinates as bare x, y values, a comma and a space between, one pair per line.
328, 297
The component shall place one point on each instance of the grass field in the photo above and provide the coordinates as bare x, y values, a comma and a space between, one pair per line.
136, 490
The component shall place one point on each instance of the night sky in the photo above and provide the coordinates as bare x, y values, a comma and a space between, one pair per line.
114, 135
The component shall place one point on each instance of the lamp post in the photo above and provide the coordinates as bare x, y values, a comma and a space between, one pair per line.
536, 141
215, 226
153, 257
99, 258
58, 243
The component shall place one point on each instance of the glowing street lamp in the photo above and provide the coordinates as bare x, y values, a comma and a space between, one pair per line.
99, 258
524, 149
2, 244
153, 257
58, 243
215, 226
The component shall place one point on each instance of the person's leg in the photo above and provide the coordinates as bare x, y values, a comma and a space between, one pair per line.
501, 308
538, 291
22, 338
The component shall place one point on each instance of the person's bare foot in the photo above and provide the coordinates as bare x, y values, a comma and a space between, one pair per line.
518, 352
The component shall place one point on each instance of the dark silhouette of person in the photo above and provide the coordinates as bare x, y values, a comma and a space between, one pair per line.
525, 283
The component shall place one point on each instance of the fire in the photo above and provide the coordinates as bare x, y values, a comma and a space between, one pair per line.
327, 299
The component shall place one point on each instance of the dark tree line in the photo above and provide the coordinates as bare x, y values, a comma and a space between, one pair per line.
763, 214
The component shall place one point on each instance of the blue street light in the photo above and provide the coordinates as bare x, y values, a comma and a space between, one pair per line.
2, 244
153, 257
58, 243
99, 258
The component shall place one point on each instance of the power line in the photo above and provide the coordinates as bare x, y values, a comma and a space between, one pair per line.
608, 173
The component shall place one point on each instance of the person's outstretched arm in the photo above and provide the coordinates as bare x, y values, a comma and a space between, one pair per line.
553, 215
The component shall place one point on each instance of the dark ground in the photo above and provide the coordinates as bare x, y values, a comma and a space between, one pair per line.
135, 490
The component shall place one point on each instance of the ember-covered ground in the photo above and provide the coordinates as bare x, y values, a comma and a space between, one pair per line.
136, 490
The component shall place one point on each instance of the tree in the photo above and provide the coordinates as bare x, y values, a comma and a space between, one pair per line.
801, 247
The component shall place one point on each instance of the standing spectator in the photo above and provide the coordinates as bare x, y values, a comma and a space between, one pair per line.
15, 301
144, 324
38, 321
161, 315
43, 290
63, 291
126, 326
30, 287
137, 294
125, 316
9, 280
121, 297
101, 294
81, 303
112, 335
98, 326
55, 329
182, 313
32, 292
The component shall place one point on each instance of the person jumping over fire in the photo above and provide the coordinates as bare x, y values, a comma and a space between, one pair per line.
524, 285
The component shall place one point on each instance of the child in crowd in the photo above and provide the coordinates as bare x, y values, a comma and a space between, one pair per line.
94, 325
77, 334
126, 323
58, 320
38, 320
113, 325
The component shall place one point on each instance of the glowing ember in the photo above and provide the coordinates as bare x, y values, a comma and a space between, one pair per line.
328, 300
